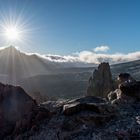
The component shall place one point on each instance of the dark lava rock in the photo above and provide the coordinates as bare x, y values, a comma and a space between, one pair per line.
113, 95
131, 89
17, 110
31, 120
55, 107
88, 103
125, 77
101, 83
128, 90
89, 110
14, 104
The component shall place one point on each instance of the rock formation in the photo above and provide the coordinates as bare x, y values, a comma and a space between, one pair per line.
128, 90
125, 78
95, 110
101, 83
131, 89
17, 107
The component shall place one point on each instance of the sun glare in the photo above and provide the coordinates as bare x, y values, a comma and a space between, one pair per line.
15, 29
12, 33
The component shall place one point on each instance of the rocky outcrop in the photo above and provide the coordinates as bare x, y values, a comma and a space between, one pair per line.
89, 109
17, 110
75, 118
88, 103
128, 90
88, 118
101, 83
131, 89
125, 78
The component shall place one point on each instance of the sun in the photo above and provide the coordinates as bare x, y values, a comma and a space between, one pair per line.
12, 33
16, 29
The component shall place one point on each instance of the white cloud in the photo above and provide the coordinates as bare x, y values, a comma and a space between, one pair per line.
101, 49
92, 57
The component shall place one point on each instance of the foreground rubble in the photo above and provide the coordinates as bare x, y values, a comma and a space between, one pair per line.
103, 122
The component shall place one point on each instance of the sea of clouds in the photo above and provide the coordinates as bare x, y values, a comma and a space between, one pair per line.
95, 56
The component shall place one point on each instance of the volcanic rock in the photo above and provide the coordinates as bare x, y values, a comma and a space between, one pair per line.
100, 111
131, 89
87, 124
101, 83
125, 78
17, 109
113, 94
82, 104
128, 90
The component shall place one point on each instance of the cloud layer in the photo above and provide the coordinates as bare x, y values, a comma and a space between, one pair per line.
92, 57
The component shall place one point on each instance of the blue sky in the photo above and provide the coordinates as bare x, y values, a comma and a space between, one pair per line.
68, 26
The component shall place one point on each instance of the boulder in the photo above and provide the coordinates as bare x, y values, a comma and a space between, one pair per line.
31, 120
125, 78
17, 109
14, 102
89, 110
82, 104
128, 90
101, 83
131, 89
55, 107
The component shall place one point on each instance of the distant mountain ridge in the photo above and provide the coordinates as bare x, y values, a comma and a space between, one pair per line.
15, 65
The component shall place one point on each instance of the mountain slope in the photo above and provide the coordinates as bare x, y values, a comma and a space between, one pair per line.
132, 67
15, 65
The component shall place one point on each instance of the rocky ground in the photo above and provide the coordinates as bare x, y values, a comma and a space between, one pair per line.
116, 117
98, 121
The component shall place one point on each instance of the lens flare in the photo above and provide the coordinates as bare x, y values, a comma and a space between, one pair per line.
12, 33
16, 29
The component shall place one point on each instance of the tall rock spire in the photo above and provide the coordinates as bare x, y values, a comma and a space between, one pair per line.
100, 84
